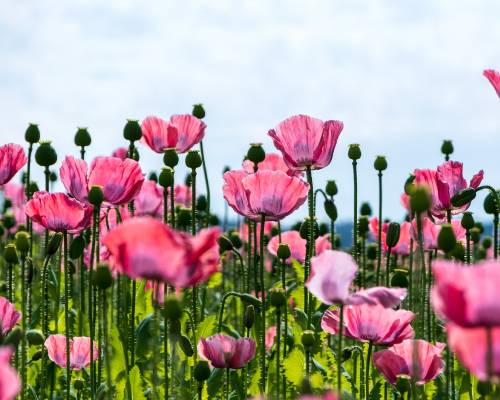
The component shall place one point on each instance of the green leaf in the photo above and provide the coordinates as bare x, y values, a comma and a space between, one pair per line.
299, 271
206, 328
215, 381
375, 392
136, 384
294, 366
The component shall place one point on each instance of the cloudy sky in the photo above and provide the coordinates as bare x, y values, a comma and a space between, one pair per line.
402, 76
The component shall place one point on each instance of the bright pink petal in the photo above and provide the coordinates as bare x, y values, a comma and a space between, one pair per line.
73, 174
190, 131
494, 78
9, 316
158, 134
12, 159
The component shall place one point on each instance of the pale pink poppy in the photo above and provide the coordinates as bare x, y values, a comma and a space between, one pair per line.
158, 134
226, 352
58, 212
120, 152
149, 201
467, 295
158, 289
306, 142
15, 193
494, 78
190, 131
12, 159
10, 384
402, 246
272, 162
270, 337
371, 323
297, 245
243, 230
404, 199
182, 195
120, 180
430, 232
398, 361
79, 351
9, 316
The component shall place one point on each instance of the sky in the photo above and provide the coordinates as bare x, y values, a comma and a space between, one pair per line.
402, 76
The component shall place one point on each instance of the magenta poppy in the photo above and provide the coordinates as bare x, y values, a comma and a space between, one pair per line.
159, 134
190, 131
9, 316
12, 159
10, 384
306, 142
227, 352
79, 351
494, 78
58, 212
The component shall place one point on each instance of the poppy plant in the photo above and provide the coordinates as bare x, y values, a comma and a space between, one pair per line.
159, 134
227, 352
9, 316
79, 351
10, 384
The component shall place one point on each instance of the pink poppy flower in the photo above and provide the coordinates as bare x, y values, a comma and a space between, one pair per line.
272, 162
79, 356
190, 131
467, 295
120, 152
149, 201
9, 316
10, 384
58, 212
402, 246
471, 348
398, 360
297, 245
306, 142
158, 134
430, 232
243, 230
15, 193
270, 337
443, 184
270, 193
12, 159
404, 199
182, 195
158, 289
332, 273
226, 352
367, 323
494, 78
121, 180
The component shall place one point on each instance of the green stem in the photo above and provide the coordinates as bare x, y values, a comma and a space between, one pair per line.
222, 305
339, 349
104, 301
467, 246
489, 353
226, 384
91, 300
263, 319
367, 371
67, 277
387, 266
207, 185
379, 233
310, 243
165, 345
132, 323
355, 210
278, 346
172, 201
23, 322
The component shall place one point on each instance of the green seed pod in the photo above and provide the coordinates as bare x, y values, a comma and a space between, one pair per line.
393, 233
249, 316
8, 221
35, 337
346, 354
399, 278
380, 163
201, 203
213, 220
479, 226
235, 240
96, 195
475, 235
186, 346
331, 188
193, 159
463, 197
277, 297
198, 111
132, 130
484, 388
489, 204
284, 251
403, 385
201, 371
184, 217
45, 155
14, 337
304, 229
446, 238
354, 152
331, 210
174, 327
363, 225
487, 242
172, 308
10, 254
249, 299
7, 204
323, 228
256, 153
76, 247
166, 178
447, 147
409, 184
225, 244
371, 251
82, 137
308, 339
32, 134
467, 221
170, 157
22, 240
153, 176
420, 199
55, 243
458, 251
53, 177
365, 209
102, 277
79, 384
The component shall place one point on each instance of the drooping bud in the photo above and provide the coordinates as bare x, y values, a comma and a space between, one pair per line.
32, 134
225, 244
256, 153
96, 196
393, 233
489, 204
354, 152
201, 371
409, 184
463, 197
198, 111
170, 157
331, 210
76, 247
45, 154
193, 159
446, 238
35, 337
380, 163
132, 130
235, 240
82, 137
186, 346
249, 299
249, 316
54, 244
14, 337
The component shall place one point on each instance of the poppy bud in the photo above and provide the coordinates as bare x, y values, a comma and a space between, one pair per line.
170, 157
153, 176
283, 251
33, 187
35, 337
380, 163
10, 254
304, 229
467, 220
166, 178
184, 217
458, 251
447, 147
172, 308
53, 177
446, 238
399, 278
487, 242
363, 225
7, 203
198, 111
55, 243
201, 371
22, 240
256, 153
78, 384
403, 384
248, 298
489, 204
201, 203
323, 229
132, 130
32, 134
479, 226
409, 184
475, 235
224, 244
420, 199
14, 337
174, 327
354, 152
331, 188
76, 247
249, 316
193, 159
308, 338
186, 346
365, 209
96, 196
8, 221
331, 210
277, 297
45, 155
102, 277
235, 240
37, 355
393, 233
346, 354
82, 137
463, 197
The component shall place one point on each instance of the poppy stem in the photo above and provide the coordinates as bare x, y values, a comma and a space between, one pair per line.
379, 233
91, 299
367, 370
172, 201
226, 384
355, 210
67, 277
207, 185
489, 353
104, 302
278, 345
310, 244
339, 349
263, 319
23, 323
165, 342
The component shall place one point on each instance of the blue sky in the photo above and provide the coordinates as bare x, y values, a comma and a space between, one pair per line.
402, 76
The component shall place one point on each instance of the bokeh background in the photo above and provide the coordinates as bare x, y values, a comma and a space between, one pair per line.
401, 75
